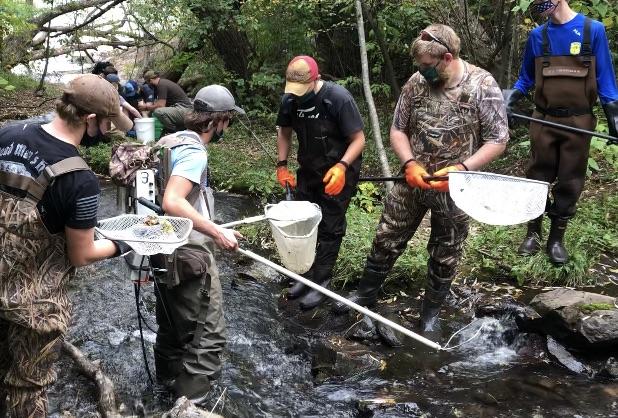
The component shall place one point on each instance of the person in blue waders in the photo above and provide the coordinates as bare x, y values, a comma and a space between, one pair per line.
568, 63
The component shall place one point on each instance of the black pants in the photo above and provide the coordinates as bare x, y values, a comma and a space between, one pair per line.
333, 225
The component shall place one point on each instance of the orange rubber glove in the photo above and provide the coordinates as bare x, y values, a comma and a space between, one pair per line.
414, 175
334, 179
442, 186
285, 176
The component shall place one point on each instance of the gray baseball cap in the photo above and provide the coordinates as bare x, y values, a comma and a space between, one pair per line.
215, 98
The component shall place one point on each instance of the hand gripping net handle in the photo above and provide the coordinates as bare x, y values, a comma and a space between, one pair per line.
162, 238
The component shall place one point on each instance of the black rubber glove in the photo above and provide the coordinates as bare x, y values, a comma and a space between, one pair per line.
511, 97
121, 248
611, 112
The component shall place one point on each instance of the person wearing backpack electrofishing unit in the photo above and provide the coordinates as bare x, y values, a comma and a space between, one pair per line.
568, 62
48, 210
450, 117
189, 309
329, 129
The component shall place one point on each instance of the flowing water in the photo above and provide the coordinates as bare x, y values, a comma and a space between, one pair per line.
269, 369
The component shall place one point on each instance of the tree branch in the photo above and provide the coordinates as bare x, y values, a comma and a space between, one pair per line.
40, 54
150, 35
74, 6
88, 20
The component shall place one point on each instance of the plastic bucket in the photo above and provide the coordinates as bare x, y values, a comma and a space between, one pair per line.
295, 234
145, 129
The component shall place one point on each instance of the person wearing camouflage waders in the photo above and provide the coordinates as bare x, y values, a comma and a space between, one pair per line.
568, 61
450, 116
189, 308
48, 211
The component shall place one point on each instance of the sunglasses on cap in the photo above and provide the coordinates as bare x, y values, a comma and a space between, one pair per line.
429, 37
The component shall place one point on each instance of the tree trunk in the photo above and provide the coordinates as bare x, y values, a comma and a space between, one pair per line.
388, 64
373, 115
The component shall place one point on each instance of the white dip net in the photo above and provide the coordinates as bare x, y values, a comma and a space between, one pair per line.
294, 225
147, 234
497, 199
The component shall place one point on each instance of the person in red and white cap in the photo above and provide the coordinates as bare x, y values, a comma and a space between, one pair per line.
329, 129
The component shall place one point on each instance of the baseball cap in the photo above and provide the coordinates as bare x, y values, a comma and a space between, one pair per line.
301, 71
215, 98
112, 78
93, 94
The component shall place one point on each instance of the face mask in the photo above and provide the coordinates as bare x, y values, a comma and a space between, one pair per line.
216, 137
544, 9
432, 75
305, 97
95, 139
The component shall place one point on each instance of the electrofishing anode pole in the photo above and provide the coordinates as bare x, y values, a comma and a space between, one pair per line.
611, 139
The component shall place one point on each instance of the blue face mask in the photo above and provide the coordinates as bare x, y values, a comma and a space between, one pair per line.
544, 9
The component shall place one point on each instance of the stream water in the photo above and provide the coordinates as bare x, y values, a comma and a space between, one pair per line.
269, 366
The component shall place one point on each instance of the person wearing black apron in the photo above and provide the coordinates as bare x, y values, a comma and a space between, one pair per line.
568, 61
330, 136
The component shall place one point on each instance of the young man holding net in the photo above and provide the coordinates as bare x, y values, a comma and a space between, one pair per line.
48, 210
189, 310
450, 116
329, 130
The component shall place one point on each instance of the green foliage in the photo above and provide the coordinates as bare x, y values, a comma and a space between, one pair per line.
588, 308
366, 197
4, 85
492, 250
97, 157
13, 82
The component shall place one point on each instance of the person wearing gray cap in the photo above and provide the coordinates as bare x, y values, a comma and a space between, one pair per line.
189, 310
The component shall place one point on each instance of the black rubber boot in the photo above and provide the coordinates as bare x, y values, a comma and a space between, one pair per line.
432, 302
322, 275
532, 242
367, 293
555, 247
298, 289
195, 387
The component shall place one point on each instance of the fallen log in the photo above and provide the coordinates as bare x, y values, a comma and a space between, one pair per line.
92, 370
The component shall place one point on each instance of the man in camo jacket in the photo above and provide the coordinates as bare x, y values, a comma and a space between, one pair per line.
450, 117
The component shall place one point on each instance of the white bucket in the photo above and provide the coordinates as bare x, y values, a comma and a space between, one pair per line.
145, 129
295, 232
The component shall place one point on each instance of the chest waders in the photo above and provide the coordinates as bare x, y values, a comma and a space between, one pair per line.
566, 91
321, 145
442, 132
189, 308
34, 308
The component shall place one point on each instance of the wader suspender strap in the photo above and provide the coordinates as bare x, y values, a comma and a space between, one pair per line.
204, 304
546, 48
36, 188
586, 51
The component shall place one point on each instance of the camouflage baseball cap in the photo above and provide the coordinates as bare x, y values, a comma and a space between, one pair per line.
301, 71
93, 94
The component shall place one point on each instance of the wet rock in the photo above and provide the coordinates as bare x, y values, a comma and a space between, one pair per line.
149, 336
373, 407
610, 369
364, 330
564, 316
507, 306
116, 337
388, 335
184, 408
337, 356
565, 358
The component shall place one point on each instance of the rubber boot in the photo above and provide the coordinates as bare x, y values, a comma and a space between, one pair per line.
367, 293
322, 275
532, 242
432, 302
195, 387
298, 289
555, 247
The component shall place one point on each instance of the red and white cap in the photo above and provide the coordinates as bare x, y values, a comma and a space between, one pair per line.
301, 71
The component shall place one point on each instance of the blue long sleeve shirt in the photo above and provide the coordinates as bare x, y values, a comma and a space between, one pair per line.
566, 39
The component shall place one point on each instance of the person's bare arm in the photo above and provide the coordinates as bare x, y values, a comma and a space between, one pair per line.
82, 248
284, 142
132, 110
486, 154
156, 104
400, 143
175, 203
355, 147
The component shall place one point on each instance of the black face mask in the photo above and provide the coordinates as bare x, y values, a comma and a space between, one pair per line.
216, 137
90, 141
305, 97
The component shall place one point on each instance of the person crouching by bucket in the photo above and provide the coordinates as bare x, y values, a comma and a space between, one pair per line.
329, 129
189, 309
